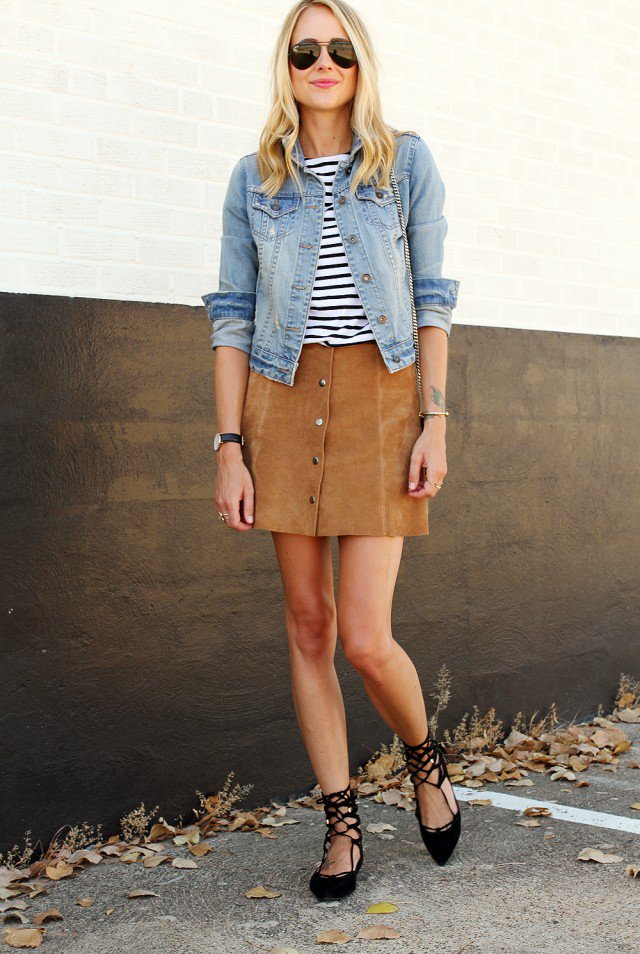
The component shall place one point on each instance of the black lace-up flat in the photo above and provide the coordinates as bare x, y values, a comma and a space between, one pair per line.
423, 761
340, 810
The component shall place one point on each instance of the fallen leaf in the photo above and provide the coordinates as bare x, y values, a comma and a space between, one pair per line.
378, 932
190, 838
51, 915
633, 871
536, 810
200, 850
158, 860
548, 834
109, 910
86, 902
377, 827
23, 937
636, 806
142, 893
260, 892
382, 907
183, 863
13, 905
520, 783
594, 854
56, 872
629, 715
479, 801
15, 916
332, 937
529, 823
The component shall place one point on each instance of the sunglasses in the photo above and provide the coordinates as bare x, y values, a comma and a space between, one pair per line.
305, 53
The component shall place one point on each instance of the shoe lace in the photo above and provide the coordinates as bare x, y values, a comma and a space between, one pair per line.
340, 809
423, 760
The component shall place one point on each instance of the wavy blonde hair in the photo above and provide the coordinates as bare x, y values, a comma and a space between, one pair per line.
378, 138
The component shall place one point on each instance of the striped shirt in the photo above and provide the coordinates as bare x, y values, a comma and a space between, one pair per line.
336, 315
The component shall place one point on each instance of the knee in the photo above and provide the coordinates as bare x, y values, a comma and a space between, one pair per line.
312, 628
368, 652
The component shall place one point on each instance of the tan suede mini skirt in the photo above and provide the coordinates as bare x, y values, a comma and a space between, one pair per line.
329, 455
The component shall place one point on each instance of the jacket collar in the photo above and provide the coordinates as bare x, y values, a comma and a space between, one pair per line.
298, 155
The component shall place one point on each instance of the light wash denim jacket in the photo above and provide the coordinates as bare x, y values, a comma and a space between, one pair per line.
270, 249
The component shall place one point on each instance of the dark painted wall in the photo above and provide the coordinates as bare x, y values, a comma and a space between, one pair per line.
143, 644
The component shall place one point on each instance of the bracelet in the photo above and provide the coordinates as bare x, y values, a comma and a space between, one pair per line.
431, 413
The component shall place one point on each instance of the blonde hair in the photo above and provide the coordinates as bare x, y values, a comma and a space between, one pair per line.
378, 139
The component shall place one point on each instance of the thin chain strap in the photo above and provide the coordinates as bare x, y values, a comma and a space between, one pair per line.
414, 317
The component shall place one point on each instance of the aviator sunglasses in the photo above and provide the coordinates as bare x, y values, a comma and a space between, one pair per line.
305, 53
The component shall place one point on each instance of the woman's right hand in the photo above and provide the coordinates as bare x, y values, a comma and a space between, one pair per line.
234, 487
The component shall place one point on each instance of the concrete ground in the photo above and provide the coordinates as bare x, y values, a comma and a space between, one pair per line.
506, 889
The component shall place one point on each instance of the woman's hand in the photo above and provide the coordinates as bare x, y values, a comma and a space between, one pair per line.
234, 487
429, 451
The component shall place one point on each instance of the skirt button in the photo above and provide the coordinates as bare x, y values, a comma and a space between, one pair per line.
322, 382
312, 499
316, 460
318, 421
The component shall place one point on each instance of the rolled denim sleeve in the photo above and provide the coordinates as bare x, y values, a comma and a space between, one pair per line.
232, 308
435, 296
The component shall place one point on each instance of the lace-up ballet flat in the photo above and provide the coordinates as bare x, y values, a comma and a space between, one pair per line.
340, 810
424, 761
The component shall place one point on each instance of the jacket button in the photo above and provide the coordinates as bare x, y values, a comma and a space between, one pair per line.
312, 499
318, 421
352, 238
366, 277
322, 382
275, 204
316, 460
342, 200
396, 358
379, 194
382, 319
348, 170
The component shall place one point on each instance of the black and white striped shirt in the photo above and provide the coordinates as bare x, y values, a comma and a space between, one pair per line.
336, 315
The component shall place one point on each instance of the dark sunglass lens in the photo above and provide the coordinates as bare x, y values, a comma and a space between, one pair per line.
304, 55
342, 53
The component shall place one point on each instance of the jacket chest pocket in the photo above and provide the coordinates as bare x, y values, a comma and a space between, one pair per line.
274, 218
378, 207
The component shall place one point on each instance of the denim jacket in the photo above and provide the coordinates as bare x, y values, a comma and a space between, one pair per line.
270, 248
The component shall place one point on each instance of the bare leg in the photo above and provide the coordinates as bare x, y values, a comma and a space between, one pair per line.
310, 615
366, 582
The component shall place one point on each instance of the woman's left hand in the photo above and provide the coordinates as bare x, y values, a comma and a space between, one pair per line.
430, 452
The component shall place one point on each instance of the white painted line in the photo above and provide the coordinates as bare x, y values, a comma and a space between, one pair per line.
581, 816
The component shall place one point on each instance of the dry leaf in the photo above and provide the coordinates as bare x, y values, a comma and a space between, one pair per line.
200, 850
260, 892
382, 907
142, 893
520, 783
332, 937
15, 916
86, 902
23, 937
536, 810
61, 870
529, 823
192, 837
479, 801
183, 863
636, 806
594, 854
13, 905
629, 715
633, 871
129, 857
378, 932
377, 827
109, 911
51, 915
158, 860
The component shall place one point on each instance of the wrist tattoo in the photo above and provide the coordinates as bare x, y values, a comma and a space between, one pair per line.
437, 397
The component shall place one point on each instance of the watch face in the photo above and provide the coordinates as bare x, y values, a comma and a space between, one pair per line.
216, 442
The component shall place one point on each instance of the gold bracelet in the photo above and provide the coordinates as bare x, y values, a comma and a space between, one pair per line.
431, 413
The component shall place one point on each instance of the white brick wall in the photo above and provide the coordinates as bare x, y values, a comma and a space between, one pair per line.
120, 121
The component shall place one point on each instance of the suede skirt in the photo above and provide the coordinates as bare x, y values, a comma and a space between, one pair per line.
329, 455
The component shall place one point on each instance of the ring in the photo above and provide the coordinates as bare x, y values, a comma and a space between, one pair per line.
438, 486
223, 516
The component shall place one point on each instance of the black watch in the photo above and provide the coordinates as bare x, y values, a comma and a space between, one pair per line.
221, 438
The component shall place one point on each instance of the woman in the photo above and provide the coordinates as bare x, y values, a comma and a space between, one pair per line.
316, 398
